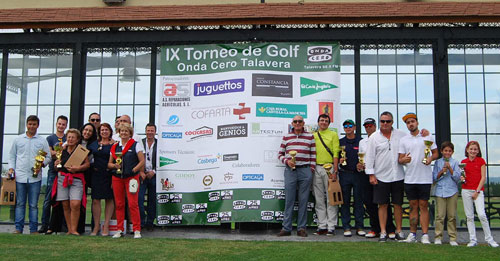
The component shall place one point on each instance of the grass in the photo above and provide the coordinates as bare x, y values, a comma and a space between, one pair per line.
39, 247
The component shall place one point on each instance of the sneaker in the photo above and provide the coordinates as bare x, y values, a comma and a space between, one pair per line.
137, 234
118, 234
360, 233
347, 233
472, 244
437, 241
371, 234
17, 232
43, 229
425, 239
320, 232
410, 239
331, 232
382, 238
400, 236
493, 244
302, 233
392, 235
453, 243
284, 233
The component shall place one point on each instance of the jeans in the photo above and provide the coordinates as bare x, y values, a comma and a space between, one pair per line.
148, 217
46, 202
301, 178
327, 214
348, 181
32, 192
481, 214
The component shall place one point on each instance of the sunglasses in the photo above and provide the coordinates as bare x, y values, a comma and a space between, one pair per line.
298, 121
369, 125
95, 120
385, 121
348, 126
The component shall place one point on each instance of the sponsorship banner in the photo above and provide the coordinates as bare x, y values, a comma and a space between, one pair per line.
223, 111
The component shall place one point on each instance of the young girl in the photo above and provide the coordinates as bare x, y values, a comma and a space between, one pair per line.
473, 192
446, 175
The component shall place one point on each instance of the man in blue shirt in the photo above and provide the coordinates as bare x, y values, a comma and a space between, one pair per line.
21, 161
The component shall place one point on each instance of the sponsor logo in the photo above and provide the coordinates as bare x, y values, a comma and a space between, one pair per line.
214, 196
188, 208
230, 157
280, 194
271, 156
207, 180
266, 215
171, 135
239, 204
253, 177
228, 176
272, 85
208, 160
267, 129
176, 94
166, 184
162, 199
245, 165
278, 182
184, 176
310, 206
268, 194
212, 217
225, 216
309, 86
219, 87
163, 219
253, 204
326, 108
166, 161
319, 54
176, 219
227, 194
232, 131
279, 215
173, 120
201, 207
199, 133
280, 110
241, 111
211, 112
175, 198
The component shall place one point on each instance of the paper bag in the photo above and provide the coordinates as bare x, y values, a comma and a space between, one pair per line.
334, 193
8, 192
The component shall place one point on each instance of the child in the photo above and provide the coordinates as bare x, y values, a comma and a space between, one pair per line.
473, 192
446, 175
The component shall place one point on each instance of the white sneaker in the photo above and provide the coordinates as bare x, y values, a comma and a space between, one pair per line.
118, 234
437, 241
453, 243
425, 239
493, 244
410, 239
137, 234
360, 232
347, 233
472, 244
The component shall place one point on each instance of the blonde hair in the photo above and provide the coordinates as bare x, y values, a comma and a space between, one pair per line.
127, 127
76, 132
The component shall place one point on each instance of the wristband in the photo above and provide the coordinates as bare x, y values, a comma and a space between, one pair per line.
478, 191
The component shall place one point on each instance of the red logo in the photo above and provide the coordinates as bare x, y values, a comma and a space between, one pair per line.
241, 111
170, 89
326, 108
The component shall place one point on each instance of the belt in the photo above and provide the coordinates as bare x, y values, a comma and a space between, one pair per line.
302, 166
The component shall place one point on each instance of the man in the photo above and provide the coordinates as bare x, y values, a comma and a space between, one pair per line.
21, 161
418, 176
327, 148
371, 208
351, 179
53, 140
385, 174
149, 179
125, 119
298, 174
95, 119
117, 123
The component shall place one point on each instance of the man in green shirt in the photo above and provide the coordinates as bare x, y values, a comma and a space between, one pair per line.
327, 148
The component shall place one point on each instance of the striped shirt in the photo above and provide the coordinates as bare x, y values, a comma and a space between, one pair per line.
305, 146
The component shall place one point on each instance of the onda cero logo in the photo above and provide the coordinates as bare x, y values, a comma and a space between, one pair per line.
319, 54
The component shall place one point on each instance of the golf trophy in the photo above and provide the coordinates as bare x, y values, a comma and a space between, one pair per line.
361, 157
462, 170
119, 161
427, 151
343, 155
293, 153
58, 150
39, 158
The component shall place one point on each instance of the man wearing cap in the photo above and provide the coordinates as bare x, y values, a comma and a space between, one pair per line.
298, 174
418, 176
351, 179
327, 148
371, 208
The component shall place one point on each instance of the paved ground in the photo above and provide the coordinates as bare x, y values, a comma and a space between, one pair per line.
267, 234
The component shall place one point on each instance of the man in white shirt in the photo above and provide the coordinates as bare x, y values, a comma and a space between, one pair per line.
125, 119
418, 175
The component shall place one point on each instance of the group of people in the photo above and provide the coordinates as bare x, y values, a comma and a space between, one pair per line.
119, 168
378, 171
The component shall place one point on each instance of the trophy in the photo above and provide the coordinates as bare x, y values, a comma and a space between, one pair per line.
462, 170
293, 153
58, 149
343, 155
328, 167
361, 156
39, 158
428, 144
119, 161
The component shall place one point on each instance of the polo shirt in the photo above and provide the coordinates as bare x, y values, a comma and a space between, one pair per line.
473, 172
416, 172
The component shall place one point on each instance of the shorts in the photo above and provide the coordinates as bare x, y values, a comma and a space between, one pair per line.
71, 192
418, 191
385, 190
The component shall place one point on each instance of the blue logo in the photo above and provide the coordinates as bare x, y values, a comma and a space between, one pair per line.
174, 119
219, 87
253, 177
171, 135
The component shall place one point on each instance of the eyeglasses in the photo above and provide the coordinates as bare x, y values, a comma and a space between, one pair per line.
95, 120
298, 121
385, 121
348, 126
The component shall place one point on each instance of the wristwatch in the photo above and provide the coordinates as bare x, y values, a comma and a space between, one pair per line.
478, 191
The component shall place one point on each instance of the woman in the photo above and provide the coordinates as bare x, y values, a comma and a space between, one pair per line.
89, 135
126, 179
70, 182
101, 177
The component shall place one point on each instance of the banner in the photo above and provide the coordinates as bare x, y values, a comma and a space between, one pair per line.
223, 111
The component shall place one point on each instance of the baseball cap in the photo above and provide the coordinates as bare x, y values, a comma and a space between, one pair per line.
410, 115
369, 121
349, 121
